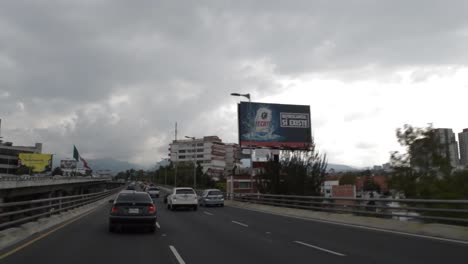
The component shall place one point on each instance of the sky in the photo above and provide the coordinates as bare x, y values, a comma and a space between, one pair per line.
113, 77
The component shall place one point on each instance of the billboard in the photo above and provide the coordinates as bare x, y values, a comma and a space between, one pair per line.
38, 162
274, 125
68, 164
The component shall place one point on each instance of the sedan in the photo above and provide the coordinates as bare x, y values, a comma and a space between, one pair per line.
211, 197
132, 208
153, 192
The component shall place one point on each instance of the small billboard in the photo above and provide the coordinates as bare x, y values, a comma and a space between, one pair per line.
274, 125
38, 163
68, 164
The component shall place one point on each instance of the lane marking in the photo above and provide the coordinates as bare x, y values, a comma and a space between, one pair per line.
319, 248
176, 254
359, 226
158, 226
208, 213
239, 223
268, 233
13, 251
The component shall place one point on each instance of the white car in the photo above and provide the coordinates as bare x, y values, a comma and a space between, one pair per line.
182, 197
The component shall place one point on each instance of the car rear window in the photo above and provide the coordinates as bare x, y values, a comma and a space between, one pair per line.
153, 189
185, 191
133, 198
214, 193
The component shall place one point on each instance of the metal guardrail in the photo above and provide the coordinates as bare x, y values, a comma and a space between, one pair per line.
48, 178
16, 213
428, 210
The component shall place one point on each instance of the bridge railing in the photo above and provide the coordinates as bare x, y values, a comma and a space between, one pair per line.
427, 210
17, 213
46, 178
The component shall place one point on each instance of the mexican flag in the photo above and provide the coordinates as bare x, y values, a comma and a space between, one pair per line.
77, 157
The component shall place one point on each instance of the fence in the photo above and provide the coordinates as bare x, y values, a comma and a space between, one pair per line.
428, 210
16, 213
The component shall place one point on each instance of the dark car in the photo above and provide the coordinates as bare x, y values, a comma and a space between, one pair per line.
131, 187
132, 208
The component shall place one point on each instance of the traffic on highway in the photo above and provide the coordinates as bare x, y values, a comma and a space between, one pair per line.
135, 227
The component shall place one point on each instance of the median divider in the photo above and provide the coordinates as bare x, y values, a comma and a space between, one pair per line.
413, 228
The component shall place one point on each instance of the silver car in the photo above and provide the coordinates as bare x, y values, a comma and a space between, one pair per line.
212, 197
153, 191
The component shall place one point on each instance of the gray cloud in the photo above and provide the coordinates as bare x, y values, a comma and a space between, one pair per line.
114, 76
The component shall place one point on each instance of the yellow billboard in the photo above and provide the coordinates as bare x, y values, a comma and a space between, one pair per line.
37, 162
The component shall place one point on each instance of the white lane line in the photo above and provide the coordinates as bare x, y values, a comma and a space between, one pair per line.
357, 226
319, 248
207, 213
158, 226
176, 254
239, 223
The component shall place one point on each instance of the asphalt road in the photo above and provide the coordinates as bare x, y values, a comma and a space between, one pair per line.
229, 235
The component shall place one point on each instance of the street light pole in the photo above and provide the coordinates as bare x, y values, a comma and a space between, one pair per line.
251, 136
194, 163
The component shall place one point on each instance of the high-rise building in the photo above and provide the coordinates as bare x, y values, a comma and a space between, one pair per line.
463, 141
213, 155
449, 146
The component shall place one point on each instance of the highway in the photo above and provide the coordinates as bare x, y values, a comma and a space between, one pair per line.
227, 235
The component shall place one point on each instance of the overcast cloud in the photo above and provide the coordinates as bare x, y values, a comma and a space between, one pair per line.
113, 77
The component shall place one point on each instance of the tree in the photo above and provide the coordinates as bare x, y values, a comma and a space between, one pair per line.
57, 171
348, 178
24, 170
424, 171
297, 172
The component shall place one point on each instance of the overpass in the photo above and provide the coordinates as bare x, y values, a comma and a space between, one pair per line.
230, 235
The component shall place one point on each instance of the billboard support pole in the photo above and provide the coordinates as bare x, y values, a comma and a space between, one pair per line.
250, 145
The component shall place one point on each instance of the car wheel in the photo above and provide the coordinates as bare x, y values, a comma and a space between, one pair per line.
168, 206
152, 229
222, 205
173, 207
111, 228
195, 208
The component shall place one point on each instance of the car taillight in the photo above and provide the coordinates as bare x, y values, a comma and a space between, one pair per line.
114, 210
152, 209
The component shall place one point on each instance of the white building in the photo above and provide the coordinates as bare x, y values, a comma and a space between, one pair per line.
213, 155
463, 141
449, 144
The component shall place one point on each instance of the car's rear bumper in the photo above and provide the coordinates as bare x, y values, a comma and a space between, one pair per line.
213, 202
184, 203
133, 220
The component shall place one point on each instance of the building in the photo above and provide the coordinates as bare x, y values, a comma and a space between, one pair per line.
463, 141
422, 156
241, 184
449, 146
213, 155
9, 156
232, 157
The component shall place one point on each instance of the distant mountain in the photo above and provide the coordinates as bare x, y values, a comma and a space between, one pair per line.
115, 166
340, 167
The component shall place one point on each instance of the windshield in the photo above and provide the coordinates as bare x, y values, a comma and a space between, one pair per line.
185, 191
130, 197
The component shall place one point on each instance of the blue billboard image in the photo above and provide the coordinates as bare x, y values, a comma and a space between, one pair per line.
274, 125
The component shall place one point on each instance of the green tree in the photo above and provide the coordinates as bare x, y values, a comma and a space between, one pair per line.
57, 171
297, 172
348, 178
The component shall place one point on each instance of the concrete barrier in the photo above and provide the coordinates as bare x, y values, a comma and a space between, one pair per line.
414, 228
14, 235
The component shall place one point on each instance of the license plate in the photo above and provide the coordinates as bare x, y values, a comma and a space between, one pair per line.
133, 211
